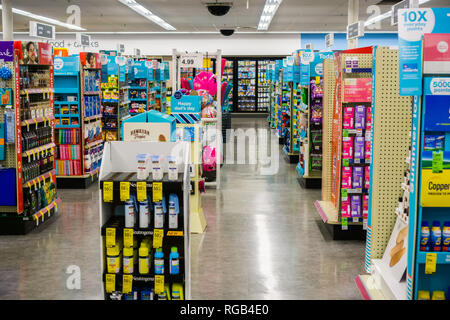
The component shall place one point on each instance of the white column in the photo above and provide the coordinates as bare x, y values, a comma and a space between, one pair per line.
353, 16
7, 20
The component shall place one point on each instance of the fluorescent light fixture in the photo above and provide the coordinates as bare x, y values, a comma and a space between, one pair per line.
270, 8
132, 4
45, 19
386, 15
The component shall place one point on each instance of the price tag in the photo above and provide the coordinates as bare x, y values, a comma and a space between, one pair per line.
141, 187
355, 219
108, 191
127, 237
159, 284
158, 238
191, 60
317, 80
110, 283
365, 224
438, 162
344, 224
345, 162
110, 237
127, 283
345, 133
157, 191
124, 191
174, 233
430, 263
344, 194
206, 63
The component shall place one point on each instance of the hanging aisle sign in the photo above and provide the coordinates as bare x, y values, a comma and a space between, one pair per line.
412, 25
355, 30
405, 4
42, 30
329, 40
84, 39
191, 60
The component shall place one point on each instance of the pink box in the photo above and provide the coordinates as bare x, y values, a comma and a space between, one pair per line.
368, 151
349, 118
368, 118
346, 177
436, 53
358, 90
367, 177
345, 208
347, 148
365, 206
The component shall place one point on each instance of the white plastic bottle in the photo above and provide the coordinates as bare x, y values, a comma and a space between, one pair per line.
159, 216
144, 217
129, 214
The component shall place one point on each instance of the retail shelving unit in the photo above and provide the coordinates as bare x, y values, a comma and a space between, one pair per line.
119, 184
27, 116
115, 97
79, 145
352, 90
211, 127
228, 76
138, 86
161, 77
391, 123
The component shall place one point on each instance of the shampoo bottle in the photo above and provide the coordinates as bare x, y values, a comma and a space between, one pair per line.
174, 261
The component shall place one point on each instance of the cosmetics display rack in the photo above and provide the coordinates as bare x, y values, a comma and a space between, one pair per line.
78, 131
138, 263
27, 158
391, 117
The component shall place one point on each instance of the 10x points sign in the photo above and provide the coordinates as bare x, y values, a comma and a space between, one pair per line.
191, 60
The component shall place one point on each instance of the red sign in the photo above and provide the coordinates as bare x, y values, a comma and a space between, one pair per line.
45, 53
90, 60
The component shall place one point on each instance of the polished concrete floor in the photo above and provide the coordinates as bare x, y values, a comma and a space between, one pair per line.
264, 240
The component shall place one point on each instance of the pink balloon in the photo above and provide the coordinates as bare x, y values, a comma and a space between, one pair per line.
206, 81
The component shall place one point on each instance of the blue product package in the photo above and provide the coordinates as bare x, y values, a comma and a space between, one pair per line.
8, 195
10, 128
440, 142
2, 141
147, 294
430, 142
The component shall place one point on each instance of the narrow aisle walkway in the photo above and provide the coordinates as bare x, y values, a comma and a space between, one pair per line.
264, 240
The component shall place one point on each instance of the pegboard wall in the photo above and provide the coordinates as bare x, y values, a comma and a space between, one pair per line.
392, 116
329, 83
10, 149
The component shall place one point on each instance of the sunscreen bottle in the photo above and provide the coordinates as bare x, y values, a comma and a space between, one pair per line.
436, 236
128, 261
424, 236
446, 236
144, 261
113, 259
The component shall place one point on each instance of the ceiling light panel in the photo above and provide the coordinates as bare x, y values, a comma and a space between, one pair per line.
270, 8
45, 19
132, 4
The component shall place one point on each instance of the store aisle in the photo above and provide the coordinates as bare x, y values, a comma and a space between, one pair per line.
263, 240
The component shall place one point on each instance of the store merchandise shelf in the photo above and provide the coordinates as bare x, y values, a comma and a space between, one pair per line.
209, 119
37, 120
66, 74
327, 212
41, 213
137, 88
39, 178
91, 93
137, 100
109, 129
66, 102
69, 126
442, 257
117, 177
33, 151
385, 283
97, 116
125, 102
36, 90
66, 90
93, 144
67, 115
358, 70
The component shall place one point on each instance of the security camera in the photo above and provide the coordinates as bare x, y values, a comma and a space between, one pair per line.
227, 32
219, 8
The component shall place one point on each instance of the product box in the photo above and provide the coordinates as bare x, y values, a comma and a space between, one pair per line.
347, 174
45, 53
368, 151
7, 51
90, 60
6, 95
357, 180
357, 90
365, 206
368, 118
345, 208
436, 53
367, 177
360, 117
347, 148
359, 148
349, 118
356, 206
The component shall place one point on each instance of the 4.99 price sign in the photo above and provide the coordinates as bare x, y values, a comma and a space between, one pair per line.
191, 60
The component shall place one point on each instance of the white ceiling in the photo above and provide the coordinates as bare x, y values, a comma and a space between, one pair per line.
192, 16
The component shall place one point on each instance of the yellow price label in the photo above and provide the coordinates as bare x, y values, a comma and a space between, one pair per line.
175, 233
430, 263
110, 237
159, 284
110, 283
157, 191
127, 283
124, 191
141, 188
128, 237
108, 191
317, 80
158, 238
